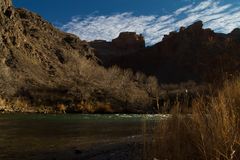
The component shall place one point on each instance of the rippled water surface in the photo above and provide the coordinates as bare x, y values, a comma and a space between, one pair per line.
30, 136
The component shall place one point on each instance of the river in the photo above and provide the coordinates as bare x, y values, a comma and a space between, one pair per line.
38, 136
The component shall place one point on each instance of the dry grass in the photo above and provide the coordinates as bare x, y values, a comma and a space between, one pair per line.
212, 131
217, 127
61, 108
4, 104
24, 106
21, 103
87, 107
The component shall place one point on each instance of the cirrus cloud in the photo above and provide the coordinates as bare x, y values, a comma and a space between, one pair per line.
215, 15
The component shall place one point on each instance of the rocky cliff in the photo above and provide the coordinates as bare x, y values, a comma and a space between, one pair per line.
34, 54
129, 41
192, 53
126, 43
43, 66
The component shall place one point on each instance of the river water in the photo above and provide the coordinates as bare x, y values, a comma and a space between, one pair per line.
34, 136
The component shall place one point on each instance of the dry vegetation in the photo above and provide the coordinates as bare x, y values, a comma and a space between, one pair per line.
86, 87
117, 89
211, 132
121, 90
23, 105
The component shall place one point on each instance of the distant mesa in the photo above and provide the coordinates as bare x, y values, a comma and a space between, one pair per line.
129, 40
235, 34
196, 26
192, 53
126, 43
236, 31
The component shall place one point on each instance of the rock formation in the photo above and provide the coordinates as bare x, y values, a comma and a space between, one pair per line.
129, 41
41, 63
43, 66
193, 53
126, 43
34, 54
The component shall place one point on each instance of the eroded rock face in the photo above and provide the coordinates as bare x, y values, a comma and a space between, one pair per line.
129, 41
126, 43
193, 53
34, 54
235, 34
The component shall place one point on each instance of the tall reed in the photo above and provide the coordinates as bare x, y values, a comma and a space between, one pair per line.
211, 132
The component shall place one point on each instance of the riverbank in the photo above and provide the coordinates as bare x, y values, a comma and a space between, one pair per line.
7, 110
23, 106
163, 104
19, 106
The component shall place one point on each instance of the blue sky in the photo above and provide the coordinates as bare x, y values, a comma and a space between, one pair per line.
104, 19
63, 10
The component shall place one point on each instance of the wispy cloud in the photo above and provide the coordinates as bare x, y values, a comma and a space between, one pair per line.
183, 9
215, 15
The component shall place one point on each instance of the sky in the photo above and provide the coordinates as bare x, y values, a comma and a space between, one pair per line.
105, 19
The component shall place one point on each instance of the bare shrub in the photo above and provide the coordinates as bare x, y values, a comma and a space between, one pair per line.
61, 108
94, 83
218, 126
212, 131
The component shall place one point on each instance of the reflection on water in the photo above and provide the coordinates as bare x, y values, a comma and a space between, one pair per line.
25, 136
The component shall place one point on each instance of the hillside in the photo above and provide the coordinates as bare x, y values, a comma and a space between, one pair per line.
43, 66
34, 54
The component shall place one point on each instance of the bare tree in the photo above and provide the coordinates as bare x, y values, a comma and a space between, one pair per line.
153, 90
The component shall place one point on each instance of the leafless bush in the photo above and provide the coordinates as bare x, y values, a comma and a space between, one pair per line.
212, 131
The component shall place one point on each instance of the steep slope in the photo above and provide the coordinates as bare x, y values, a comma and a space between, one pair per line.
42, 66
193, 53
34, 54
